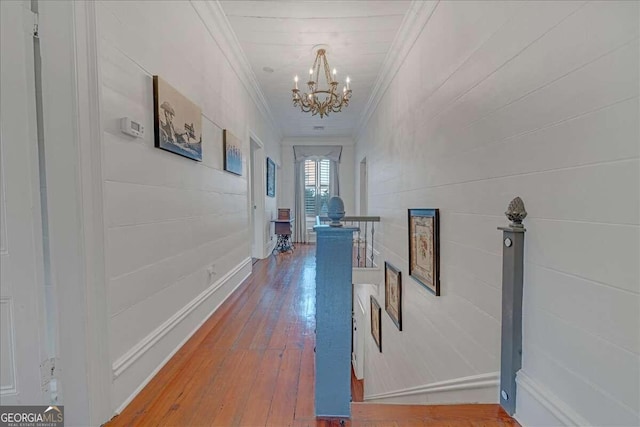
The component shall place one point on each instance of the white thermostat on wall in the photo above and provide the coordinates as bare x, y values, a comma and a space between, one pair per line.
131, 127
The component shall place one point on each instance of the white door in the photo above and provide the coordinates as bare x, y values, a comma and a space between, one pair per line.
20, 227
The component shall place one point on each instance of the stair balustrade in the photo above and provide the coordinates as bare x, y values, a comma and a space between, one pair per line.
364, 243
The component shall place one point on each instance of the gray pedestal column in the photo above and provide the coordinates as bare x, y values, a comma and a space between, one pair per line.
333, 321
512, 287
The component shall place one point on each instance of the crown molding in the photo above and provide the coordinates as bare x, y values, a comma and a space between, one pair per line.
414, 21
219, 27
318, 140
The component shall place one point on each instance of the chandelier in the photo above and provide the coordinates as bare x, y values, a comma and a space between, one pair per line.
321, 100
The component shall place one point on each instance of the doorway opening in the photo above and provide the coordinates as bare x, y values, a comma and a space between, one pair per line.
256, 197
364, 198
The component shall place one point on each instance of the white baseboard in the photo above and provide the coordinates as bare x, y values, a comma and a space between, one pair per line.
484, 381
270, 247
537, 405
311, 237
126, 361
363, 276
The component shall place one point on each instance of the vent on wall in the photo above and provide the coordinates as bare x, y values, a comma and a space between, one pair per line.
318, 128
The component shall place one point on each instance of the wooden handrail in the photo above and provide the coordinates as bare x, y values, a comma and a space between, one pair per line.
321, 219
363, 240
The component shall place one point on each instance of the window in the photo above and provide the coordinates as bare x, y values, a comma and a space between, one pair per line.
316, 187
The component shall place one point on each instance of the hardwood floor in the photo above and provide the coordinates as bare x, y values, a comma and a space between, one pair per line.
251, 364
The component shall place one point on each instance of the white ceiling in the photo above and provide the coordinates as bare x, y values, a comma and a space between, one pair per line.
281, 35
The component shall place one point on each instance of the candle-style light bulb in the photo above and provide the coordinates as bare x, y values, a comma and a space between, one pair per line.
348, 80
295, 79
311, 71
334, 71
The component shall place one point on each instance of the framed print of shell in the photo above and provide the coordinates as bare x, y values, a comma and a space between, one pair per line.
424, 248
376, 322
393, 293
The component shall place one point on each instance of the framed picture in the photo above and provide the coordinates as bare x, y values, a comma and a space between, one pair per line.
271, 178
424, 248
376, 322
232, 153
177, 121
393, 293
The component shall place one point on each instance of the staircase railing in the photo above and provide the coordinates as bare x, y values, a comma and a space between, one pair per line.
363, 240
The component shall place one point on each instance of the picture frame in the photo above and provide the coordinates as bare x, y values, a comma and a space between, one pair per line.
177, 122
393, 294
232, 153
424, 248
271, 178
376, 322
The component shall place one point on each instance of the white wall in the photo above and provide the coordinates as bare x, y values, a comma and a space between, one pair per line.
346, 171
504, 99
169, 219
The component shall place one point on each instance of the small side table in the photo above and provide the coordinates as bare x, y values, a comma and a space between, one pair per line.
283, 230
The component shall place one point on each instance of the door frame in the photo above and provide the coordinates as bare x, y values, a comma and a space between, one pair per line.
71, 95
30, 291
257, 191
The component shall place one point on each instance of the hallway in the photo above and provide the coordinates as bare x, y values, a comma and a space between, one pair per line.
149, 149
251, 364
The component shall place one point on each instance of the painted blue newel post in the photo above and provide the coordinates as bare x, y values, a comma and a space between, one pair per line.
333, 317
512, 287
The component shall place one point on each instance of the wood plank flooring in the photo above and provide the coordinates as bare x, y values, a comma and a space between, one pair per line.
251, 364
